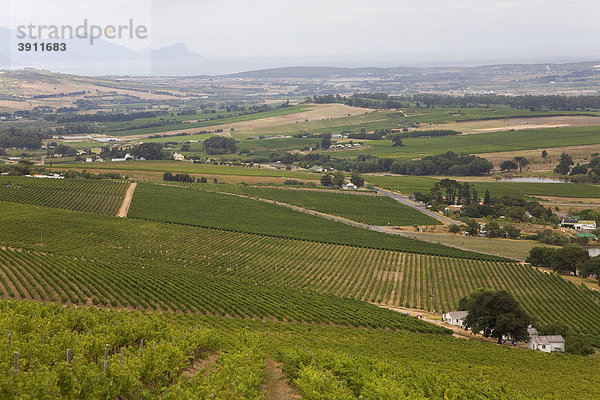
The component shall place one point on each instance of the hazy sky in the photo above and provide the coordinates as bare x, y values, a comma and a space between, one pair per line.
234, 28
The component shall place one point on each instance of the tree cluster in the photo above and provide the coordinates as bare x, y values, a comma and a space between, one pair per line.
569, 259
449, 163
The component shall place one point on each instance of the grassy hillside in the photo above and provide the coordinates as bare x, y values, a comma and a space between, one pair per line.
215, 210
96, 196
365, 208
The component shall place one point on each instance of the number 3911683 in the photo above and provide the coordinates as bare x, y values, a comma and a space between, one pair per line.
40, 46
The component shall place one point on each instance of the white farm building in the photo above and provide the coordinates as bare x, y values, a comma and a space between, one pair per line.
456, 318
547, 344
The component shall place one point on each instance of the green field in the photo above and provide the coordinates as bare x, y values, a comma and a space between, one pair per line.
423, 184
191, 168
480, 143
364, 208
215, 210
96, 196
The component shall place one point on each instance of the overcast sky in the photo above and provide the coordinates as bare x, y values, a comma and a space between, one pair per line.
242, 28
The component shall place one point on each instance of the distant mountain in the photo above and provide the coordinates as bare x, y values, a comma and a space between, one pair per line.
319, 72
176, 51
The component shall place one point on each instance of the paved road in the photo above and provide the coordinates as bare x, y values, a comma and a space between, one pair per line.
401, 198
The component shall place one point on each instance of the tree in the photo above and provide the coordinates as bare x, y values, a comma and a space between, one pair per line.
569, 258
522, 162
202, 180
579, 170
544, 154
493, 230
339, 178
496, 314
396, 140
472, 227
326, 180
357, 179
326, 141
220, 145
454, 228
564, 165
149, 151
487, 199
512, 232
591, 267
540, 256
508, 165
186, 147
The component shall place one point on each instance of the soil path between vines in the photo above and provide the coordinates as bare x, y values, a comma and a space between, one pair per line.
127, 201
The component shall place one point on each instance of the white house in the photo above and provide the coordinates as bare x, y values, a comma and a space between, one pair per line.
178, 157
584, 225
456, 318
349, 186
547, 344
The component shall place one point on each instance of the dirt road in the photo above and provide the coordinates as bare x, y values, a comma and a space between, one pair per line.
127, 201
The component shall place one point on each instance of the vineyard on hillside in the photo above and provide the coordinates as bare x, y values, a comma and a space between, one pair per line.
88, 195
31, 275
208, 209
52, 351
198, 270
366, 208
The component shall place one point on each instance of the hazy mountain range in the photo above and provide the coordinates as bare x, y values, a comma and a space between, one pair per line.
107, 58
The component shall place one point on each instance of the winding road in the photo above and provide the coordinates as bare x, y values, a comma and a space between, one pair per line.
404, 199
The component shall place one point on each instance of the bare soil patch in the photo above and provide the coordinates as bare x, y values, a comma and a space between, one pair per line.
276, 386
517, 124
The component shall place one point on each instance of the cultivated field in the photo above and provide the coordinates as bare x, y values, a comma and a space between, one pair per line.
366, 208
96, 196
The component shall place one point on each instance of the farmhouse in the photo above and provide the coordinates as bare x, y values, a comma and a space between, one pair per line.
349, 186
547, 344
456, 318
584, 225
178, 157
454, 207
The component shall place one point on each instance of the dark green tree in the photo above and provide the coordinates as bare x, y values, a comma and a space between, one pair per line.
564, 165
569, 258
326, 141
521, 162
396, 140
357, 179
544, 154
493, 230
326, 180
495, 314
149, 151
508, 165
487, 199
339, 178
540, 256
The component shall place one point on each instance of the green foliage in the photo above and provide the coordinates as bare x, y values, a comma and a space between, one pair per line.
564, 165
508, 165
149, 151
220, 145
568, 259
495, 314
